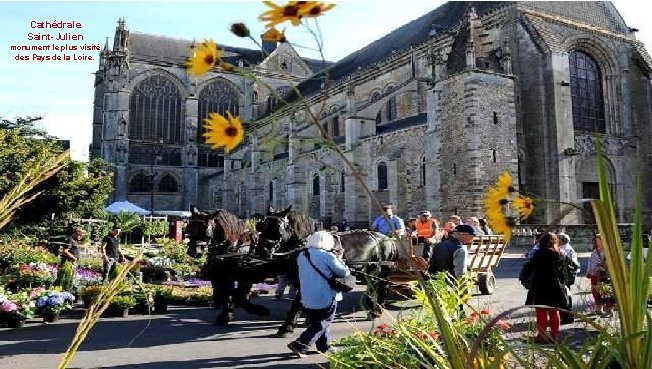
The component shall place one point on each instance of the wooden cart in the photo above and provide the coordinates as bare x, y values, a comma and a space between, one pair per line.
484, 255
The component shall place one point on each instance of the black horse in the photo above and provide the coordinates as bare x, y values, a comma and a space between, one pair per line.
231, 273
371, 254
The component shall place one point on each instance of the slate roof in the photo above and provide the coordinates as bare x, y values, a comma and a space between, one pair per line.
413, 121
175, 50
415, 32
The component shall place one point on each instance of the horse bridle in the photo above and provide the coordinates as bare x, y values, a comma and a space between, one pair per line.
210, 231
276, 244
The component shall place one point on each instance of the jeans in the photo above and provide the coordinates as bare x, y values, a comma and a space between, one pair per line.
319, 327
108, 267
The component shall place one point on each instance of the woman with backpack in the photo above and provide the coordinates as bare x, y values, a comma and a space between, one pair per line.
547, 281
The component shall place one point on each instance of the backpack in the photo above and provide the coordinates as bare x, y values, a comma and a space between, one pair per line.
525, 276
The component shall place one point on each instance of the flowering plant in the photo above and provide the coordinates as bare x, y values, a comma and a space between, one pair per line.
18, 305
34, 275
493, 342
55, 301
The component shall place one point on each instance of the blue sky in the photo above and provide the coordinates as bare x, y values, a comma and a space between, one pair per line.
62, 92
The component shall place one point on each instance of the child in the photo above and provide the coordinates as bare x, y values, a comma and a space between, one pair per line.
597, 273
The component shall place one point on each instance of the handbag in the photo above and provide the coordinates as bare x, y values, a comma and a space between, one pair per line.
343, 284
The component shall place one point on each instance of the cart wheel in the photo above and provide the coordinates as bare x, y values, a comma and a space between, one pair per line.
486, 283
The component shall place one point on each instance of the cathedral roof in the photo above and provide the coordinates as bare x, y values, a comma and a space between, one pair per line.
175, 50
415, 32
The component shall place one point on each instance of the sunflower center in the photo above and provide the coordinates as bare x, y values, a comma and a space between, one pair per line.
209, 59
291, 11
231, 131
503, 202
315, 10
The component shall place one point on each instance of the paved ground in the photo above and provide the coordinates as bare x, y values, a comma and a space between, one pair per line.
186, 338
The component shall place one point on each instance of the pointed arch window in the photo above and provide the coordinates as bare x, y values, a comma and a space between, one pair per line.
141, 182
342, 182
382, 176
168, 184
316, 190
586, 93
219, 96
270, 191
155, 111
379, 117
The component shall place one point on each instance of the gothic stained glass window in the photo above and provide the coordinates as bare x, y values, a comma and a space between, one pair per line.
155, 111
391, 108
168, 184
382, 176
141, 182
586, 93
217, 97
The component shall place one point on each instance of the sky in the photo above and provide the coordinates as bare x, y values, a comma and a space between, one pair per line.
62, 91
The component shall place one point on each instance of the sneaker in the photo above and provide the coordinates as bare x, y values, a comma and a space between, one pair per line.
297, 348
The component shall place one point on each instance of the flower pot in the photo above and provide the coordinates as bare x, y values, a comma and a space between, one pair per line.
50, 316
15, 322
160, 304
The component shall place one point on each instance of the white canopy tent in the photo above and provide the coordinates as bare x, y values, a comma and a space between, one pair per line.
127, 207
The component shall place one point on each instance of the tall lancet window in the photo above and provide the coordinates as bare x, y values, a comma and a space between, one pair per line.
586, 93
155, 111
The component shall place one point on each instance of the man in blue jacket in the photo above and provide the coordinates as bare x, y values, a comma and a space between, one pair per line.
319, 300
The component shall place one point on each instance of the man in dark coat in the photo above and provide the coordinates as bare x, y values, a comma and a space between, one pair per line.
451, 255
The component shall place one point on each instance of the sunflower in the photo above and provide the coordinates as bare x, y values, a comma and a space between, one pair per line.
314, 8
223, 132
203, 58
240, 29
292, 12
502, 225
274, 35
496, 200
523, 205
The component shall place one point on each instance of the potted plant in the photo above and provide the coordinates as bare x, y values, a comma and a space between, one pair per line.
144, 300
121, 304
52, 303
15, 309
89, 294
162, 296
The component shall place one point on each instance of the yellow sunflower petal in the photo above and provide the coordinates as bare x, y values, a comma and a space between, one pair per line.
202, 58
223, 132
279, 14
314, 8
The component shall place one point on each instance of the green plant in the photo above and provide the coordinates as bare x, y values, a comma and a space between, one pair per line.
89, 294
17, 252
123, 301
155, 228
33, 275
65, 276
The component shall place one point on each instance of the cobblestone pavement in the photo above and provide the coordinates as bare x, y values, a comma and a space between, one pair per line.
186, 338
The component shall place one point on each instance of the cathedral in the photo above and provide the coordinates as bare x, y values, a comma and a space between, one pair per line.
428, 115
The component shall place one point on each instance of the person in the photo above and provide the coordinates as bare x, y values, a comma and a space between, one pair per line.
597, 274
387, 222
475, 223
451, 255
484, 226
319, 300
282, 282
428, 233
456, 219
343, 226
447, 231
547, 286
70, 254
567, 249
111, 254
70, 251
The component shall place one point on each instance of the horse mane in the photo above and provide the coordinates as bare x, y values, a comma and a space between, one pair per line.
232, 226
301, 225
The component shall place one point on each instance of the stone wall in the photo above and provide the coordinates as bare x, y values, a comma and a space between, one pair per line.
580, 235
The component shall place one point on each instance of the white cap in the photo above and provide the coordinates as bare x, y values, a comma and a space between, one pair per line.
321, 240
